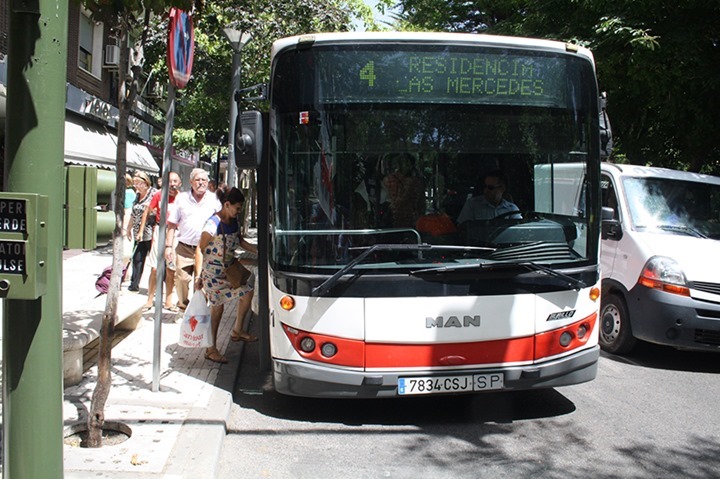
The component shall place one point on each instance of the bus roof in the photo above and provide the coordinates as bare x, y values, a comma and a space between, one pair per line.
430, 37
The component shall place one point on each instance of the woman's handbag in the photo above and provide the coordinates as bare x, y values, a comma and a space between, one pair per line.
235, 273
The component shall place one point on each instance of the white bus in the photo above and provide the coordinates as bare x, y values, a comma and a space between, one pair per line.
373, 143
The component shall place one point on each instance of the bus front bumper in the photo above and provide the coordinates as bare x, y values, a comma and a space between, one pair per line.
313, 380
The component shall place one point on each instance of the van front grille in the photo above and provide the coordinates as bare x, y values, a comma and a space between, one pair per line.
707, 336
707, 313
712, 288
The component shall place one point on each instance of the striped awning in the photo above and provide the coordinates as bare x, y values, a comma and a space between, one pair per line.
91, 145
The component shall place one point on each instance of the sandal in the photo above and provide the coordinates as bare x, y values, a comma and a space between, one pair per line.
244, 336
171, 308
215, 357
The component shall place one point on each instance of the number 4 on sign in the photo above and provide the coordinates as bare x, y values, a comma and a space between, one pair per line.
368, 73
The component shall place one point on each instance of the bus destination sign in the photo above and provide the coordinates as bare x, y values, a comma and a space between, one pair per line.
493, 78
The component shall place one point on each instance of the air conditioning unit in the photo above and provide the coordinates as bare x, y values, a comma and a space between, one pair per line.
112, 55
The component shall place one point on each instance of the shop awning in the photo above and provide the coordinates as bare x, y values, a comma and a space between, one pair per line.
90, 145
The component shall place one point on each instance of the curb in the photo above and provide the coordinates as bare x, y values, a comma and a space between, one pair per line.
207, 426
178, 432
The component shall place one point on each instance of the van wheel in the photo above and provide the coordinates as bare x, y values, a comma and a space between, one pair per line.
615, 331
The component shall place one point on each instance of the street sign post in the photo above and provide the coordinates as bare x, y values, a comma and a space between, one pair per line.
181, 46
36, 35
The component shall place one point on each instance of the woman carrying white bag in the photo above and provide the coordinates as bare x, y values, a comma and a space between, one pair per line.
195, 330
216, 249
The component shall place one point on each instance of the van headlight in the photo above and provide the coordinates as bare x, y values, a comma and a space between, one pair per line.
665, 274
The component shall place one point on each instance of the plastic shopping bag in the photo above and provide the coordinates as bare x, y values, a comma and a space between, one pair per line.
128, 249
195, 331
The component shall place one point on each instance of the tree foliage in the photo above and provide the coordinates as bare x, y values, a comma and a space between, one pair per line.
659, 62
203, 105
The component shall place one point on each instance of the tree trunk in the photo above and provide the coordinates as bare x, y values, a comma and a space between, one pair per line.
127, 93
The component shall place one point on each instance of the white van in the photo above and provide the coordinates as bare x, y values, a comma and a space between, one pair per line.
660, 258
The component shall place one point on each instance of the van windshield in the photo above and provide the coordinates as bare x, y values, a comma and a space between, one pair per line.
674, 206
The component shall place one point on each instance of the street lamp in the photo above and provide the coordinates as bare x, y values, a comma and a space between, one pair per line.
238, 40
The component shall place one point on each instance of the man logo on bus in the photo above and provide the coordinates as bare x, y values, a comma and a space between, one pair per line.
452, 322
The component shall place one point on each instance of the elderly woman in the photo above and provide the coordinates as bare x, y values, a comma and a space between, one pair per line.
143, 239
218, 242
130, 196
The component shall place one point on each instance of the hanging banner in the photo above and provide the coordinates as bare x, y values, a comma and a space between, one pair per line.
181, 44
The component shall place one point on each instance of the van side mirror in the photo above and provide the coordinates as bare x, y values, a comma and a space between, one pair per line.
607, 213
611, 227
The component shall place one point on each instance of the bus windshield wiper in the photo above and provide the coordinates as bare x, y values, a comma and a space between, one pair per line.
529, 265
574, 283
326, 285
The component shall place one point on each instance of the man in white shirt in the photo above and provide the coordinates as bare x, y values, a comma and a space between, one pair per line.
491, 203
191, 210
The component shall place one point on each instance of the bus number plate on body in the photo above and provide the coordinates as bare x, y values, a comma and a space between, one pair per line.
450, 384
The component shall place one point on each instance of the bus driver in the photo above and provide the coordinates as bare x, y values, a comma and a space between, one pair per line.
491, 203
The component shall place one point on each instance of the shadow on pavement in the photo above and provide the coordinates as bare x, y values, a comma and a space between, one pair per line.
664, 357
254, 390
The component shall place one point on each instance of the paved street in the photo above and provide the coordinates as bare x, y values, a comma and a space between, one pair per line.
648, 416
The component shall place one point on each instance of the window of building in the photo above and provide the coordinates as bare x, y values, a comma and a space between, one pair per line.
90, 44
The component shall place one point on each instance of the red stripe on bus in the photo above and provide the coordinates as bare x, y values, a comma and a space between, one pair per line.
445, 354
498, 351
356, 353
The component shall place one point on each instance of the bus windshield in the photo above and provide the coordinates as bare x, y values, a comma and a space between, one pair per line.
485, 153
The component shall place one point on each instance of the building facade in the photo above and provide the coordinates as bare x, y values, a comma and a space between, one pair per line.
91, 100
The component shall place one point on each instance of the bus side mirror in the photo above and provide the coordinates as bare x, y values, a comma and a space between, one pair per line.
606, 141
611, 228
248, 139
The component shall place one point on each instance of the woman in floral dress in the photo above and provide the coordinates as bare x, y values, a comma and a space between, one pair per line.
220, 238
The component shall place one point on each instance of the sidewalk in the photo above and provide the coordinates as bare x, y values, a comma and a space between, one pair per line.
178, 431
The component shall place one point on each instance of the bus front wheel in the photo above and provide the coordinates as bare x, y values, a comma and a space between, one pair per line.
615, 331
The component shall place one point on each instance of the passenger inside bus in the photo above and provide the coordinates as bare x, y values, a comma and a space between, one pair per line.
405, 190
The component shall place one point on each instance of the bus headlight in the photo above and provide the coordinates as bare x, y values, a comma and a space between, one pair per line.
328, 350
582, 331
307, 344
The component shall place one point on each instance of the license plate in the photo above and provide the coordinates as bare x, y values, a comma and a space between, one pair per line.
450, 384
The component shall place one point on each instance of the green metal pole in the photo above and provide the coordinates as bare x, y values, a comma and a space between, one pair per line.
32, 329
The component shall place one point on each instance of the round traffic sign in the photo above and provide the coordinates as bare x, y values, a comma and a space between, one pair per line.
181, 43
